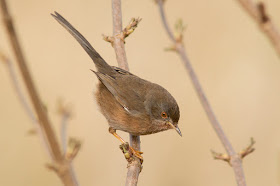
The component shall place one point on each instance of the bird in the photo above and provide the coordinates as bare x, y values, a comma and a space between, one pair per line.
128, 102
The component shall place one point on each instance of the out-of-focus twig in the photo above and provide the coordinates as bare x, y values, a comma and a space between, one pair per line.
23, 99
134, 167
74, 146
259, 14
65, 171
65, 112
17, 88
235, 159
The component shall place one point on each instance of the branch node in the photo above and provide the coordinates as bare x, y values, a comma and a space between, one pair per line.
4, 58
263, 16
52, 167
59, 169
74, 146
64, 109
172, 48
127, 152
180, 27
249, 149
129, 29
32, 132
221, 156
109, 39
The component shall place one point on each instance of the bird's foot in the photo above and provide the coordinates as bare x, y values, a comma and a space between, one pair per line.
136, 153
129, 152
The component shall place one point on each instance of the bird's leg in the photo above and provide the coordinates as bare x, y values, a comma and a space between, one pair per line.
134, 152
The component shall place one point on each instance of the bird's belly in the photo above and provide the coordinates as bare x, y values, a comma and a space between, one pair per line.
117, 117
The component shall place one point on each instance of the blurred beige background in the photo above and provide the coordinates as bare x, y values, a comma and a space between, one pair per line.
235, 63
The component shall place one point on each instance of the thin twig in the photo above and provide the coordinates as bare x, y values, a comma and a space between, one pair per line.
74, 146
259, 14
23, 99
221, 156
242, 154
65, 113
248, 150
65, 172
63, 131
235, 159
134, 167
18, 90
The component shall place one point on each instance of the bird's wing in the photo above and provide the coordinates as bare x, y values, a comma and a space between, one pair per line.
128, 90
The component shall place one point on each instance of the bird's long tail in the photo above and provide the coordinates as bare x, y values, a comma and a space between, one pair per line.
100, 63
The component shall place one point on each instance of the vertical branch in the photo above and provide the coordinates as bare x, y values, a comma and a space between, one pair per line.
61, 166
117, 30
134, 167
234, 158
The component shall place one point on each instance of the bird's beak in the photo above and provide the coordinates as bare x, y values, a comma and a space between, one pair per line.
176, 128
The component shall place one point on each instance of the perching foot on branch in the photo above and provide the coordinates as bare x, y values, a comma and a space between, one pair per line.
126, 148
127, 152
130, 153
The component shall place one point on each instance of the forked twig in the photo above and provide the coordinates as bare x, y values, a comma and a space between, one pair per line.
225, 157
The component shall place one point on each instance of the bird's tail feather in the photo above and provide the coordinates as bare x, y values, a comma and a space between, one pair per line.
100, 63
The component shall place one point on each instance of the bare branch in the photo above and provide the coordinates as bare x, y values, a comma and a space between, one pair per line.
235, 159
68, 178
23, 100
18, 90
117, 29
44, 120
259, 14
134, 167
225, 157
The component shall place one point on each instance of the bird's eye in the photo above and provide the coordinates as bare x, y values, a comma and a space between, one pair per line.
164, 115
